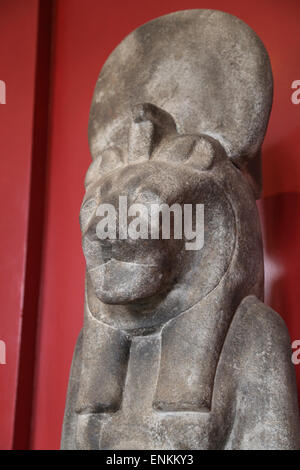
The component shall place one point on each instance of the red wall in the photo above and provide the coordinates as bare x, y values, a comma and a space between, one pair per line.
84, 33
18, 41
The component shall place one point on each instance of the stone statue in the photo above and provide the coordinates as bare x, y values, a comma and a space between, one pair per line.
178, 350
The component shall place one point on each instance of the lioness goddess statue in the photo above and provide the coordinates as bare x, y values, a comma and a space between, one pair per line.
178, 350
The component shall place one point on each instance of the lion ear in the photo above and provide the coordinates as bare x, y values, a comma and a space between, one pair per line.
206, 150
198, 151
108, 160
202, 154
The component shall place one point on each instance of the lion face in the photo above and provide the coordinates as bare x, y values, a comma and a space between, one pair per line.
161, 167
123, 269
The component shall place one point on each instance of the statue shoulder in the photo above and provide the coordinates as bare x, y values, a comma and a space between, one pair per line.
259, 323
259, 341
257, 358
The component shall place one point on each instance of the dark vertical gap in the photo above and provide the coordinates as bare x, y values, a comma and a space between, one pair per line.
25, 389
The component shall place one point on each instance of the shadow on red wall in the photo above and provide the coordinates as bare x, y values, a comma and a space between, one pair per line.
280, 220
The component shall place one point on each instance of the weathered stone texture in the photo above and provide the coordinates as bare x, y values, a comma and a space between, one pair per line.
178, 350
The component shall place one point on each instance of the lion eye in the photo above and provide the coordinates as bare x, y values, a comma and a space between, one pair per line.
89, 205
86, 212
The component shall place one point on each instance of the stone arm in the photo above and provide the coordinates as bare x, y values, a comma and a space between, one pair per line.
68, 440
256, 360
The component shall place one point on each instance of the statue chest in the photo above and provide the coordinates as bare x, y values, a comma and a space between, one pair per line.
137, 424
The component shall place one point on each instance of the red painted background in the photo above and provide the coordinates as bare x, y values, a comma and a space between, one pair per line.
18, 40
39, 350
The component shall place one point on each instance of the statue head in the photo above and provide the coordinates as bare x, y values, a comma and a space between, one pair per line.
165, 137
154, 207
